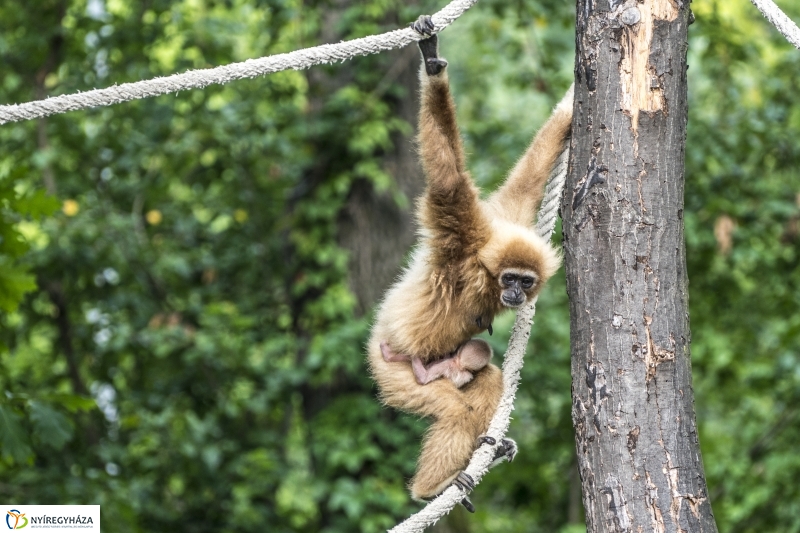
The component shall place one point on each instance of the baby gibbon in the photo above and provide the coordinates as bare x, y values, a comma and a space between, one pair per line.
458, 367
475, 258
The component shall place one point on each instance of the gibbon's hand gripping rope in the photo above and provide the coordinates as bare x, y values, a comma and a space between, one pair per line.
298, 60
779, 19
512, 364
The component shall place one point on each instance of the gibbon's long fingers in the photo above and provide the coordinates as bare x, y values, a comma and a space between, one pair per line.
465, 482
510, 446
423, 25
519, 197
506, 451
486, 439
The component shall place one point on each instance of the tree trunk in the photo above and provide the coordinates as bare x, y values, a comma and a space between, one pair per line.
632, 399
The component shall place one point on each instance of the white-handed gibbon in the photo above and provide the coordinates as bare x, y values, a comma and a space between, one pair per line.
474, 259
459, 367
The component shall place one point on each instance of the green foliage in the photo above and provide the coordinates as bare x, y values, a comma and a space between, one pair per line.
12, 436
183, 346
18, 204
51, 427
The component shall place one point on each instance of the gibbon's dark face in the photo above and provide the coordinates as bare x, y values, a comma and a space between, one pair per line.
516, 285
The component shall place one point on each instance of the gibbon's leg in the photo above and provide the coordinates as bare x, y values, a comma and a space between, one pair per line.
425, 375
445, 453
391, 357
519, 197
450, 441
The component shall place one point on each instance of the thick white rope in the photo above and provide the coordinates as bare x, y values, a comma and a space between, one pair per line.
512, 365
778, 18
546, 223
297, 60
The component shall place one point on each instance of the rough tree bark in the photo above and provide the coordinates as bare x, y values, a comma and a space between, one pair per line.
633, 405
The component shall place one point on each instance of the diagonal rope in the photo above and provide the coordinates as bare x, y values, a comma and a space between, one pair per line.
297, 60
778, 18
512, 365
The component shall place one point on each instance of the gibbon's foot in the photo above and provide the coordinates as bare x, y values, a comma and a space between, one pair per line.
423, 25
506, 450
467, 503
464, 482
389, 356
486, 439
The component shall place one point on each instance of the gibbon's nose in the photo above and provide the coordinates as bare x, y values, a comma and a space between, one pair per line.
515, 301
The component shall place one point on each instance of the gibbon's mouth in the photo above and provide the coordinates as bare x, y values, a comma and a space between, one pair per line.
510, 302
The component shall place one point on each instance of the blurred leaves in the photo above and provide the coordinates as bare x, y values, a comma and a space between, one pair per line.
50, 426
12, 436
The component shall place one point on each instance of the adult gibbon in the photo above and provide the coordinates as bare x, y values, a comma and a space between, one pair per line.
475, 258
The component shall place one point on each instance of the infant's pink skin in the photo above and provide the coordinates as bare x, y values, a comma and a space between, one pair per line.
458, 367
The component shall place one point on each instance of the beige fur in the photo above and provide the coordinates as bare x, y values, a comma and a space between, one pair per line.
452, 280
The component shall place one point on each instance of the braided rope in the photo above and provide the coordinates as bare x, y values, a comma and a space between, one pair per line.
546, 223
297, 60
512, 365
778, 18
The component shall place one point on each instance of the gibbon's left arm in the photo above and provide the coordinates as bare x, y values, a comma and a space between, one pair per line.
449, 210
519, 197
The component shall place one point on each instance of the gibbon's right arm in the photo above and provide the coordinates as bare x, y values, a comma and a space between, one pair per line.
449, 210
519, 197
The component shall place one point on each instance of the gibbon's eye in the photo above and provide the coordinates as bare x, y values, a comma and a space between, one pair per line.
508, 279
527, 282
